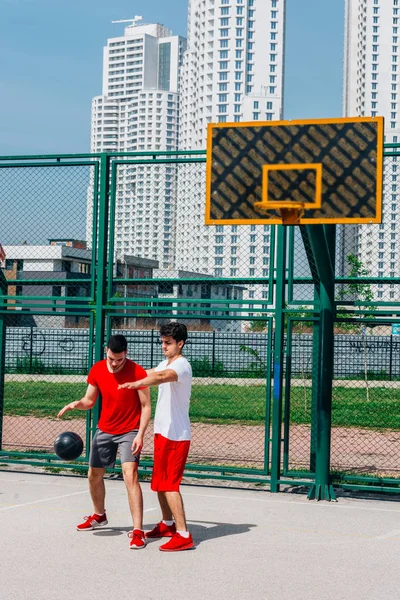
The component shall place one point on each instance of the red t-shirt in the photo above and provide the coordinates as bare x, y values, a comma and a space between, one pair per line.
120, 409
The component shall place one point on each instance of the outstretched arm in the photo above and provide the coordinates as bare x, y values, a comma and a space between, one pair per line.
85, 403
144, 397
153, 378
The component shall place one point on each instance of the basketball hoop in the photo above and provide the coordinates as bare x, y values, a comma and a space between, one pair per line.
291, 212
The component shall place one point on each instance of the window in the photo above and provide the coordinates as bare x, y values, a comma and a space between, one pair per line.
83, 268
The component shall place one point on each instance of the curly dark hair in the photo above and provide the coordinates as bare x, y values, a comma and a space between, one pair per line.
177, 331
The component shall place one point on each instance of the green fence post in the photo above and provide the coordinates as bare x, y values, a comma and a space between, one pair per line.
314, 389
101, 268
3, 327
278, 359
324, 246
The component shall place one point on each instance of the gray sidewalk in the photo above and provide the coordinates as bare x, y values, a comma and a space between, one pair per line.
250, 545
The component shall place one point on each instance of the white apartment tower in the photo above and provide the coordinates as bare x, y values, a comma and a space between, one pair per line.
138, 111
232, 72
371, 88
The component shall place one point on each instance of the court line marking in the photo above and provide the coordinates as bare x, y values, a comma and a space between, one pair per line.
330, 505
43, 500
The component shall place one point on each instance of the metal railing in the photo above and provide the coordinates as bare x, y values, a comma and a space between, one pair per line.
260, 345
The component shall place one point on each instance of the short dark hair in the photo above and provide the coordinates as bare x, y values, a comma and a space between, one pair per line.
117, 343
177, 331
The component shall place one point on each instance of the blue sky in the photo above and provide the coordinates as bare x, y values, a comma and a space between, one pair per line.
51, 64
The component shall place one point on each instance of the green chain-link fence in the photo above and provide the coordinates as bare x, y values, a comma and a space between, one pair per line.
102, 243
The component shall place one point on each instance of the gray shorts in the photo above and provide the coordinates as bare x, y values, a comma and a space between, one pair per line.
103, 452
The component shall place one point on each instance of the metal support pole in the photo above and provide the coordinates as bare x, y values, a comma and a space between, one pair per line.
3, 317
314, 389
101, 268
323, 246
278, 359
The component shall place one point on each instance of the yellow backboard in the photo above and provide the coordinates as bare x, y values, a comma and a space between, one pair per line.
330, 171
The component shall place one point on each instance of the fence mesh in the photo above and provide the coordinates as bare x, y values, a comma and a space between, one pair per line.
163, 263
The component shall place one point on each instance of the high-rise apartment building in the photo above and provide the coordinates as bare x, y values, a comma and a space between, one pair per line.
371, 88
232, 72
139, 111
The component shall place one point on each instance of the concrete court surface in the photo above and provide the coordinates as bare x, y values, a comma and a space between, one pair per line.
251, 544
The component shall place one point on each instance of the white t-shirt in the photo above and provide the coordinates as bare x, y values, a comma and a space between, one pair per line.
172, 411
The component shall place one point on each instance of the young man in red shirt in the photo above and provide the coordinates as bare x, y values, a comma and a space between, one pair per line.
171, 435
123, 421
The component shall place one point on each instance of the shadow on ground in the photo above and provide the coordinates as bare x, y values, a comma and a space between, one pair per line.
201, 531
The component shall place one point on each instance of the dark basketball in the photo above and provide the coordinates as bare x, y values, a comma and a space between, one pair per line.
68, 445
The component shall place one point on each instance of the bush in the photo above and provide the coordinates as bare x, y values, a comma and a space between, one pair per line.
204, 368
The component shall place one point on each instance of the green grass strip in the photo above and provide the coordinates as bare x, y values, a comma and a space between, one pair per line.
224, 403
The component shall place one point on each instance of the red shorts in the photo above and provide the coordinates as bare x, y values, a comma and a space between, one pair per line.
169, 463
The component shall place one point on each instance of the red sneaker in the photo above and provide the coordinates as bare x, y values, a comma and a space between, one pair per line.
178, 542
138, 540
161, 530
92, 522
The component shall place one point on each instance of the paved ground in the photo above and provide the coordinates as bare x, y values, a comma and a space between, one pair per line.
250, 545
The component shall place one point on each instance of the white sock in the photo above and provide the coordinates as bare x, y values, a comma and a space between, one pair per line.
169, 523
184, 534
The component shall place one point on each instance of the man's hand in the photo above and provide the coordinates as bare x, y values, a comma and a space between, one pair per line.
66, 408
137, 444
130, 385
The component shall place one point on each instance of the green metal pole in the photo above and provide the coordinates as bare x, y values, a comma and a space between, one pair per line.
322, 488
101, 268
267, 432
3, 317
278, 359
286, 405
314, 389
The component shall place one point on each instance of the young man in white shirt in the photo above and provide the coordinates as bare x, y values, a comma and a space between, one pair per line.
171, 435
